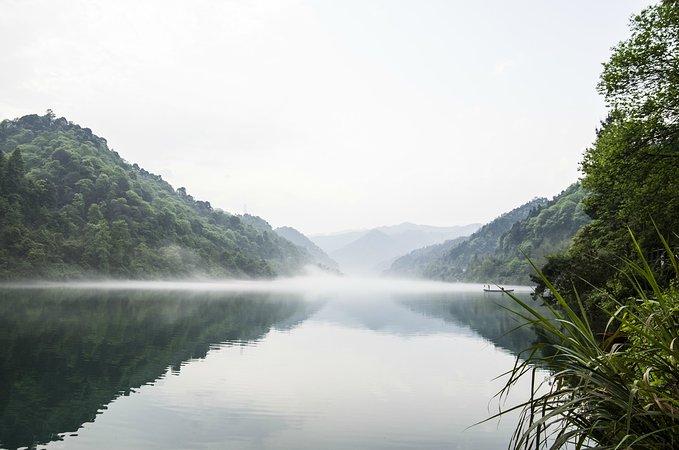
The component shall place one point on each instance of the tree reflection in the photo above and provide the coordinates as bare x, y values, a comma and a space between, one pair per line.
65, 354
489, 315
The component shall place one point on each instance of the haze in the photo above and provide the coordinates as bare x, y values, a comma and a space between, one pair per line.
314, 283
326, 115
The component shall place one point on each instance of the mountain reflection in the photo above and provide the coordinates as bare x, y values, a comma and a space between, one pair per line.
65, 354
489, 315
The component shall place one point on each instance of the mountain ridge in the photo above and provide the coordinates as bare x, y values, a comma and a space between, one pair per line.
298, 238
449, 261
498, 252
372, 251
70, 207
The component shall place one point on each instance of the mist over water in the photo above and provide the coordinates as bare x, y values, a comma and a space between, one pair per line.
313, 283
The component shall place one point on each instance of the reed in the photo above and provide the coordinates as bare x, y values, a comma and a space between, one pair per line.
613, 390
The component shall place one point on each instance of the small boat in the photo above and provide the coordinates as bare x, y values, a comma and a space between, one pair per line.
487, 288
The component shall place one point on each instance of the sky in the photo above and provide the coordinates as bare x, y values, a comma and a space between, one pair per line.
326, 115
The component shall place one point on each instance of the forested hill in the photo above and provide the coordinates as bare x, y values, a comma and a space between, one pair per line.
449, 261
299, 239
71, 207
414, 263
548, 230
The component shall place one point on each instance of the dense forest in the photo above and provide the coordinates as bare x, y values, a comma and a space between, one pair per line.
548, 230
71, 207
614, 374
498, 252
451, 260
413, 264
631, 172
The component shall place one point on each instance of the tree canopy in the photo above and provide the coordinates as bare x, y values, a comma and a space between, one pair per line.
632, 169
71, 207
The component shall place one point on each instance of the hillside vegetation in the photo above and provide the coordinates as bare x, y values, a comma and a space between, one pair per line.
71, 207
450, 261
612, 365
548, 230
317, 254
373, 251
632, 170
414, 263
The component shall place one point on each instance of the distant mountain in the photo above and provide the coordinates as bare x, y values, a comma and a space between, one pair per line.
368, 251
415, 235
72, 207
300, 240
450, 261
335, 241
373, 251
413, 228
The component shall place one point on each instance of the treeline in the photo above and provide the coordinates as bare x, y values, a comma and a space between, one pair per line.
631, 172
548, 230
613, 375
492, 253
71, 207
630, 182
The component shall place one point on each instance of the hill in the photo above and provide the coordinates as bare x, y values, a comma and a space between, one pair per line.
300, 240
362, 255
71, 207
548, 230
374, 250
450, 261
415, 235
411, 265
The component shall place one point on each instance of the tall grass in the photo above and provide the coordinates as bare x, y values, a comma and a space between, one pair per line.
613, 390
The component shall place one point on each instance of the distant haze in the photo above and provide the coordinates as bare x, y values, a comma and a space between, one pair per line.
366, 252
326, 115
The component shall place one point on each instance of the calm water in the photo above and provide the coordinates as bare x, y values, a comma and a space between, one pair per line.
349, 365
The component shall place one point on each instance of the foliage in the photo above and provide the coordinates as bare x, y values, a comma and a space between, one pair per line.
548, 230
414, 263
632, 169
619, 390
71, 207
450, 261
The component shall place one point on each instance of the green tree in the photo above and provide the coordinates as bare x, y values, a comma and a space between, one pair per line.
641, 78
2, 173
14, 173
121, 245
97, 238
70, 205
632, 170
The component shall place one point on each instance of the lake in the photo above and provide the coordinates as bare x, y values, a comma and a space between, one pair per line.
330, 363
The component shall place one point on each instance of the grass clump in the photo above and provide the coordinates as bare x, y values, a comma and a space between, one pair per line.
613, 390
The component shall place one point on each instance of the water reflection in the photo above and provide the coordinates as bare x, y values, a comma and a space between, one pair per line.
351, 369
65, 354
490, 315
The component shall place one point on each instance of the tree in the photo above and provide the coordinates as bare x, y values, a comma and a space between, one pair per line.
2, 172
641, 79
14, 173
74, 205
121, 246
632, 169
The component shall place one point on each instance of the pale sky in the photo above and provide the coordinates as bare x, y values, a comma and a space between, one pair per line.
326, 115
